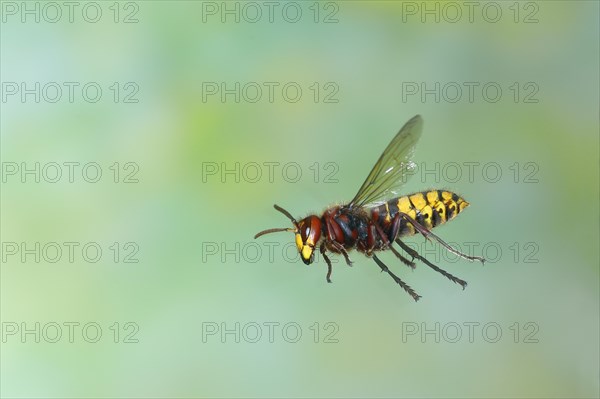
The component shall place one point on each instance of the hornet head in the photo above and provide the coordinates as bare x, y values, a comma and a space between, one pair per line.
307, 232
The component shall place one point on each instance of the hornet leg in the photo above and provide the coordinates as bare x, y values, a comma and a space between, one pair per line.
427, 234
415, 254
331, 240
402, 284
328, 277
340, 248
386, 240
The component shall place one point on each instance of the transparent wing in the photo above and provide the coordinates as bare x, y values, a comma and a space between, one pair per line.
393, 168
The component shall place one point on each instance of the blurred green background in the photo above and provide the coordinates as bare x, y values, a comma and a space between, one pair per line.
526, 326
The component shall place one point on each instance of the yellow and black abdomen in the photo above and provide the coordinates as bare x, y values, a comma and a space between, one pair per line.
428, 208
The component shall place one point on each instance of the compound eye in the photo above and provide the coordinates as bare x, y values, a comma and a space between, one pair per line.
306, 233
304, 229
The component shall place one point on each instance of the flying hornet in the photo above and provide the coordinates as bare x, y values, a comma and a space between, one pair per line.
377, 217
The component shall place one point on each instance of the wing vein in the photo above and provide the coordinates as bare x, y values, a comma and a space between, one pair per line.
390, 170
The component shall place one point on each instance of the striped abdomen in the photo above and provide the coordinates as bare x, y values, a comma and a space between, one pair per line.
428, 208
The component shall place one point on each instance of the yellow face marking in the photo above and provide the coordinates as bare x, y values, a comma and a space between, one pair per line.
432, 197
299, 243
404, 205
307, 252
418, 200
